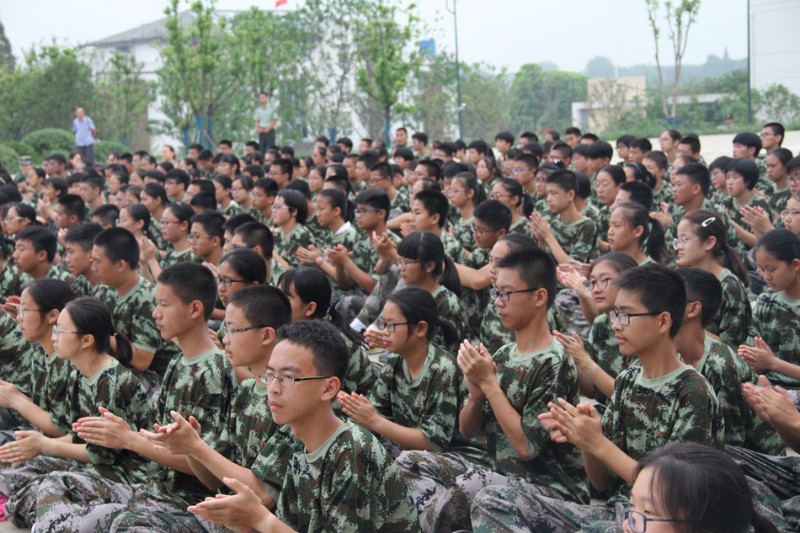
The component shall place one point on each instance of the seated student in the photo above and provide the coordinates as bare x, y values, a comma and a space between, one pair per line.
599, 360
414, 403
429, 210
657, 164
19, 217
507, 390
580, 159
606, 187
33, 383
200, 382
10, 280
34, 253
115, 256
207, 237
523, 170
241, 189
719, 181
263, 195
380, 177
252, 318
775, 328
176, 224
635, 192
105, 215
747, 145
154, 198
289, 212
258, 238
570, 236
582, 195
598, 158
222, 194
634, 232
660, 392
82, 337
333, 215
302, 187
701, 243
465, 194
136, 219
92, 189
78, 244
724, 370
176, 183
778, 192
741, 177
310, 295
343, 479
511, 193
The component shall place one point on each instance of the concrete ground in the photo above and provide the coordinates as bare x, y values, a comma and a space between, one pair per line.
714, 146
8, 527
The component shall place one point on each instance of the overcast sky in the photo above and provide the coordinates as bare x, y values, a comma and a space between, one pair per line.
502, 32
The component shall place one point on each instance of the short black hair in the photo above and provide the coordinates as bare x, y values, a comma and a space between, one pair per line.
506, 136
376, 199
697, 174
642, 144
625, 140
530, 161
640, 193
263, 306
191, 281
325, 343
213, 223
600, 150
286, 165
692, 141
119, 244
345, 141
157, 175
535, 267
572, 131
660, 289
703, 287
565, 179
434, 203
180, 176
268, 185
421, 137
41, 239
747, 169
257, 234
225, 142
434, 168
73, 205
659, 158
83, 234
95, 182
369, 158
405, 153
777, 129
482, 147
749, 139
206, 186
494, 213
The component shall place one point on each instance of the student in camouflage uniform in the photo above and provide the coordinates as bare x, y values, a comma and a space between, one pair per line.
258, 238
511, 193
606, 185
506, 393
154, 198
465, 193
78, 259
175, 225
702, 243
413, 405
289, 213
775, 330
778, 192
200, 384
429, 213
661, 393
343, 480
722, 368
34, 255
82, 335
41, 401
115, 257
741, 179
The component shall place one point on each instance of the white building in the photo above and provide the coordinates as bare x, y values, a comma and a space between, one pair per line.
774, 48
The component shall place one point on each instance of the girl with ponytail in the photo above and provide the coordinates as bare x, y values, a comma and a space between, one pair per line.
511, 193
631, 230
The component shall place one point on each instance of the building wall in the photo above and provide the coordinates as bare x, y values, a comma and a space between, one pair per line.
774, 46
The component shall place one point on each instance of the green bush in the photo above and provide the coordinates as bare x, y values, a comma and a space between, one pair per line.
103, 148
50, 140
24, 149
9, 159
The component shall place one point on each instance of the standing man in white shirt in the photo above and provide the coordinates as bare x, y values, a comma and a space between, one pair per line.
266, 121
85, 134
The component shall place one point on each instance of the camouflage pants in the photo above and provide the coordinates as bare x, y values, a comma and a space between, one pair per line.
10, 420
21, 485
569, 310
151, 515
517, 508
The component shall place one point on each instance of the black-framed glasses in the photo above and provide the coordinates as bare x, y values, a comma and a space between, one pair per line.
601, 284
227, 282
361, 211
505, 296
233, 331
403, 262
286, 381
480, 231
389, 327
625, 318
194, 237
637, 521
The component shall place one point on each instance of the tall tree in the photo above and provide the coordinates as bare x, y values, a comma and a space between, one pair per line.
679, 15
526, 110
7, 60
557, 90
485, 93
122, 97
599, 67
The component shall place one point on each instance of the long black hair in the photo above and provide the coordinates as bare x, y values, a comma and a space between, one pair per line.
92, 317
708, 224
418, 305
426, 247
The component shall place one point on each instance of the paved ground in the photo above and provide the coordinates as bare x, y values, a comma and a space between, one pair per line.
714, 146
7, 527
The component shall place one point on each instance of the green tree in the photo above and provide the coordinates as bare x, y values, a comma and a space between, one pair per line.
433, 95
385, 61
485, 92
525, 107
679, 15
122, 97
7, 60
558, 89
599, 67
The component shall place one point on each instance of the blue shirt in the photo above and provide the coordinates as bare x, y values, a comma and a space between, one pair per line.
83, 131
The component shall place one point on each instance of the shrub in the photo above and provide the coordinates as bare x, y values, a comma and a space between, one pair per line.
103, 148
24, 149
9, 159
50, 140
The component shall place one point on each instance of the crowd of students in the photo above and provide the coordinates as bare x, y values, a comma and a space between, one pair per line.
434, 337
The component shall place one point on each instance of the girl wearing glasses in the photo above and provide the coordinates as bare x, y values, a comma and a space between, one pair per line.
511, 193
599, 360
45, 408
99, 379
465, 192
175, 226
154, 198
702, 243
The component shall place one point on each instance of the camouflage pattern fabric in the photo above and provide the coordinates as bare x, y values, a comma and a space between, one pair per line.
732, 322
286, 245
601, 345
776, 320
578, 239
449, 307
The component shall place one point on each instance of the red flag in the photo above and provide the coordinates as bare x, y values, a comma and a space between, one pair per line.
279, 3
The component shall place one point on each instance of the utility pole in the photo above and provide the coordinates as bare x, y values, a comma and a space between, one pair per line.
459, 106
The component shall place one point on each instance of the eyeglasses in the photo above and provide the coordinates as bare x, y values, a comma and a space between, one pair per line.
681, 243
505, 296
625, 318
233, 331
164, 222
389, 327
540, 180
227, 282
194, 237
518, 170
21, 311
452, 191
790, 213
57, 331
480, 231
637, 521
494, 196
361, 211
600, 284
373, 181
402, 262
286, 381
9, 219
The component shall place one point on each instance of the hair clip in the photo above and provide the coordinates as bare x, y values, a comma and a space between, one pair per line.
708, 221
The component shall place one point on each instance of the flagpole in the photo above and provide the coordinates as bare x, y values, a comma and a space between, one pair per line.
458, 69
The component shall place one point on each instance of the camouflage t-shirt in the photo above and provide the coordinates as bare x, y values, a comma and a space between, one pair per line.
730, 205
602, 347
452, 248
449, 307
664, 194
155, 234
174, 257
777, 199
17, 356
431, 402
249, 423
83, 287
349, 484
530, 381
462, 232
50, 389
732, 321
726, 372
287, 245
493, 334
578, 239
10, 280
645, 414
776, 320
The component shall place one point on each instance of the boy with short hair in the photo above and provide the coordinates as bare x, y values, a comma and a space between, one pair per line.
78, 259
92, 188
599, 157
429, 213
523, 170
571, 236
199, 383
258, 237
343, 479
655, 403
639, 147
34, 253
380, 177
507, 390
263, 196
207, 236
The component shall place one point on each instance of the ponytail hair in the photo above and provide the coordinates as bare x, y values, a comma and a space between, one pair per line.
514, 188
425, 247
92, 317
653, 234
472, 183
418, 305
708, 224
337, 199
50, 294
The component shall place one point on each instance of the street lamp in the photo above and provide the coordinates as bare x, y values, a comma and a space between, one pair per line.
459, 106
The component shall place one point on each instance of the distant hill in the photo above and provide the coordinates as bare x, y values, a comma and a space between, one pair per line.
713, 68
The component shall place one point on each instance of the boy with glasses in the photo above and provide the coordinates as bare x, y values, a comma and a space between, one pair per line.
655, 403
380, 177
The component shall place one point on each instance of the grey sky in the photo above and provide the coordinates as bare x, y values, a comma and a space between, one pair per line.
502, 32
